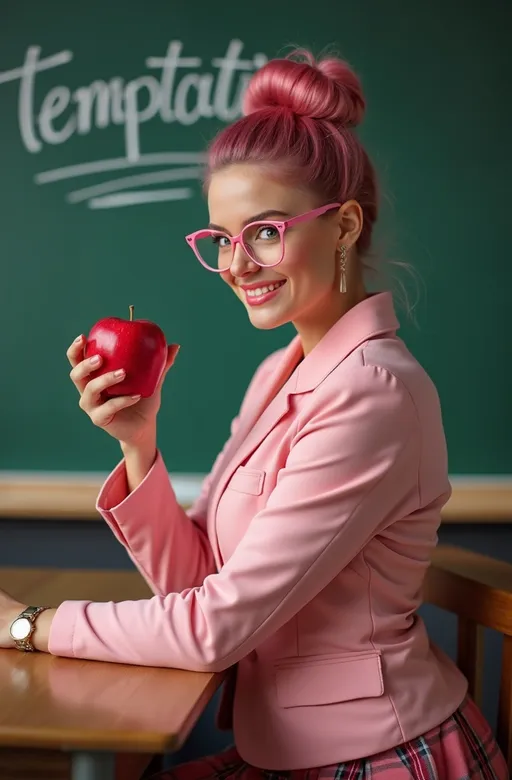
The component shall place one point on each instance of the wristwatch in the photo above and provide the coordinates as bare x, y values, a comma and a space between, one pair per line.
24, 626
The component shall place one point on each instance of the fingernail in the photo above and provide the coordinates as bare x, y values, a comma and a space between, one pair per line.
120, 372
95, 360
135, 397
78, 339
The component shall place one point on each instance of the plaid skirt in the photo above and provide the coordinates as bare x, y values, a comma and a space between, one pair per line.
461, 748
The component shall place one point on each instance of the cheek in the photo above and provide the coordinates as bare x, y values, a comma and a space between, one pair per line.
228, 279
298, 255
309, 260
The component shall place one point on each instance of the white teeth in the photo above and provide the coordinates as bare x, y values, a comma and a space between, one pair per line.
262, 290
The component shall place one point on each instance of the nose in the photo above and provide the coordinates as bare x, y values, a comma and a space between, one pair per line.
242, 264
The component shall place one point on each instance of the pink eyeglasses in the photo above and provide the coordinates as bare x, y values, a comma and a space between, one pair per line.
262, 241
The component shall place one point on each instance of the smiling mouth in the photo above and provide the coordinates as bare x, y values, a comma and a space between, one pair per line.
257, 292
258, 296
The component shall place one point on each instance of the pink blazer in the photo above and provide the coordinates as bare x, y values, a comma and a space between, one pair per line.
301, 564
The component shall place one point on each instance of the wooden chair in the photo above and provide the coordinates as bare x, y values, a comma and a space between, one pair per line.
478, 589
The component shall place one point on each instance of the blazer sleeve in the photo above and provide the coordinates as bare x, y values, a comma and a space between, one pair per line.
168, 545
353, 467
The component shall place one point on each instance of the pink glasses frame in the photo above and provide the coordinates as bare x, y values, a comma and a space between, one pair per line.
280, 225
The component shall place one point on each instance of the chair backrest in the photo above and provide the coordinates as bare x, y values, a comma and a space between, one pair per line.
478, 589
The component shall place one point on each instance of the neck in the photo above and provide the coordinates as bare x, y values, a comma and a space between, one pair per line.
313, 326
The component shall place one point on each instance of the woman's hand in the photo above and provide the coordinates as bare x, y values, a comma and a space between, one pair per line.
9, 611
127, 419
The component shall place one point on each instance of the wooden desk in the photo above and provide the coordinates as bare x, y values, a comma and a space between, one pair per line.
92, 709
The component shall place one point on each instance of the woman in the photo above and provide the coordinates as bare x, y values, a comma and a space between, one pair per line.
300, 566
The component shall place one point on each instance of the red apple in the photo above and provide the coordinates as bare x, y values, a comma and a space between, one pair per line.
138, 346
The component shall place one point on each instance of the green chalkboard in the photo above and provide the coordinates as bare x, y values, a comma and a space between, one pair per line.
105, 111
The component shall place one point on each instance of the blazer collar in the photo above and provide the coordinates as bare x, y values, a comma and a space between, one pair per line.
372, 317
375, 316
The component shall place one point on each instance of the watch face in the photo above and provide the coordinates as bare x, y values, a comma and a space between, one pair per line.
20, 629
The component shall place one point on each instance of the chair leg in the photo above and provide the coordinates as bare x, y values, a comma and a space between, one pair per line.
504, 729
470, 652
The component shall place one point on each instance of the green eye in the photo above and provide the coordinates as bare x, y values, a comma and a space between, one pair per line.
268, 233
221, 241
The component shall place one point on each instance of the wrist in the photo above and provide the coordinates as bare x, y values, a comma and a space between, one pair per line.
41, 636
139, 459
144, 444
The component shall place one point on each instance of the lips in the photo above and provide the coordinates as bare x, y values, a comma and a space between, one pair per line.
256, 291
256, 295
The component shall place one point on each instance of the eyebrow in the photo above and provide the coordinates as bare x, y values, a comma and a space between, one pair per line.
256, 218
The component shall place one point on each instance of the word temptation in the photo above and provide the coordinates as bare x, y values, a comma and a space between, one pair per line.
175, 88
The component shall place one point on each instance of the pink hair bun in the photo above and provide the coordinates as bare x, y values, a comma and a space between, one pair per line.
327, 89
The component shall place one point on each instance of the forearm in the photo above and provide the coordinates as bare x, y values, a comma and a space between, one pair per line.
139, 458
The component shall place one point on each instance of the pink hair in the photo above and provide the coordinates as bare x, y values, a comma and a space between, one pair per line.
299, 116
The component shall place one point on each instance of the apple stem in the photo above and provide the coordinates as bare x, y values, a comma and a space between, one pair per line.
131, 312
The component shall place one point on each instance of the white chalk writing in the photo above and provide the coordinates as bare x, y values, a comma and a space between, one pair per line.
176, 89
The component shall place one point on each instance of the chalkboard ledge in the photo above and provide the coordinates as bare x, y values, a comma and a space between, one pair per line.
72, 496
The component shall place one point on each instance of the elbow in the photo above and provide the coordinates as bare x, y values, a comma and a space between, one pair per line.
218, 665
213, 662
206, 666
214, 657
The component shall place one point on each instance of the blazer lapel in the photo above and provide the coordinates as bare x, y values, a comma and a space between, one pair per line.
271, 405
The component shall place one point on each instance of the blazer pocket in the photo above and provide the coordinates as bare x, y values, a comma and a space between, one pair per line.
246, 480
329, 680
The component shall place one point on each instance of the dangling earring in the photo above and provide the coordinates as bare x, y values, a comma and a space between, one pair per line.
343, 268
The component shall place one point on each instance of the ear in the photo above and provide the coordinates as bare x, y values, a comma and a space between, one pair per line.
350, 221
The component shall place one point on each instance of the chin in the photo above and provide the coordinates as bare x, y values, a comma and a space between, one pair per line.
267, 321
